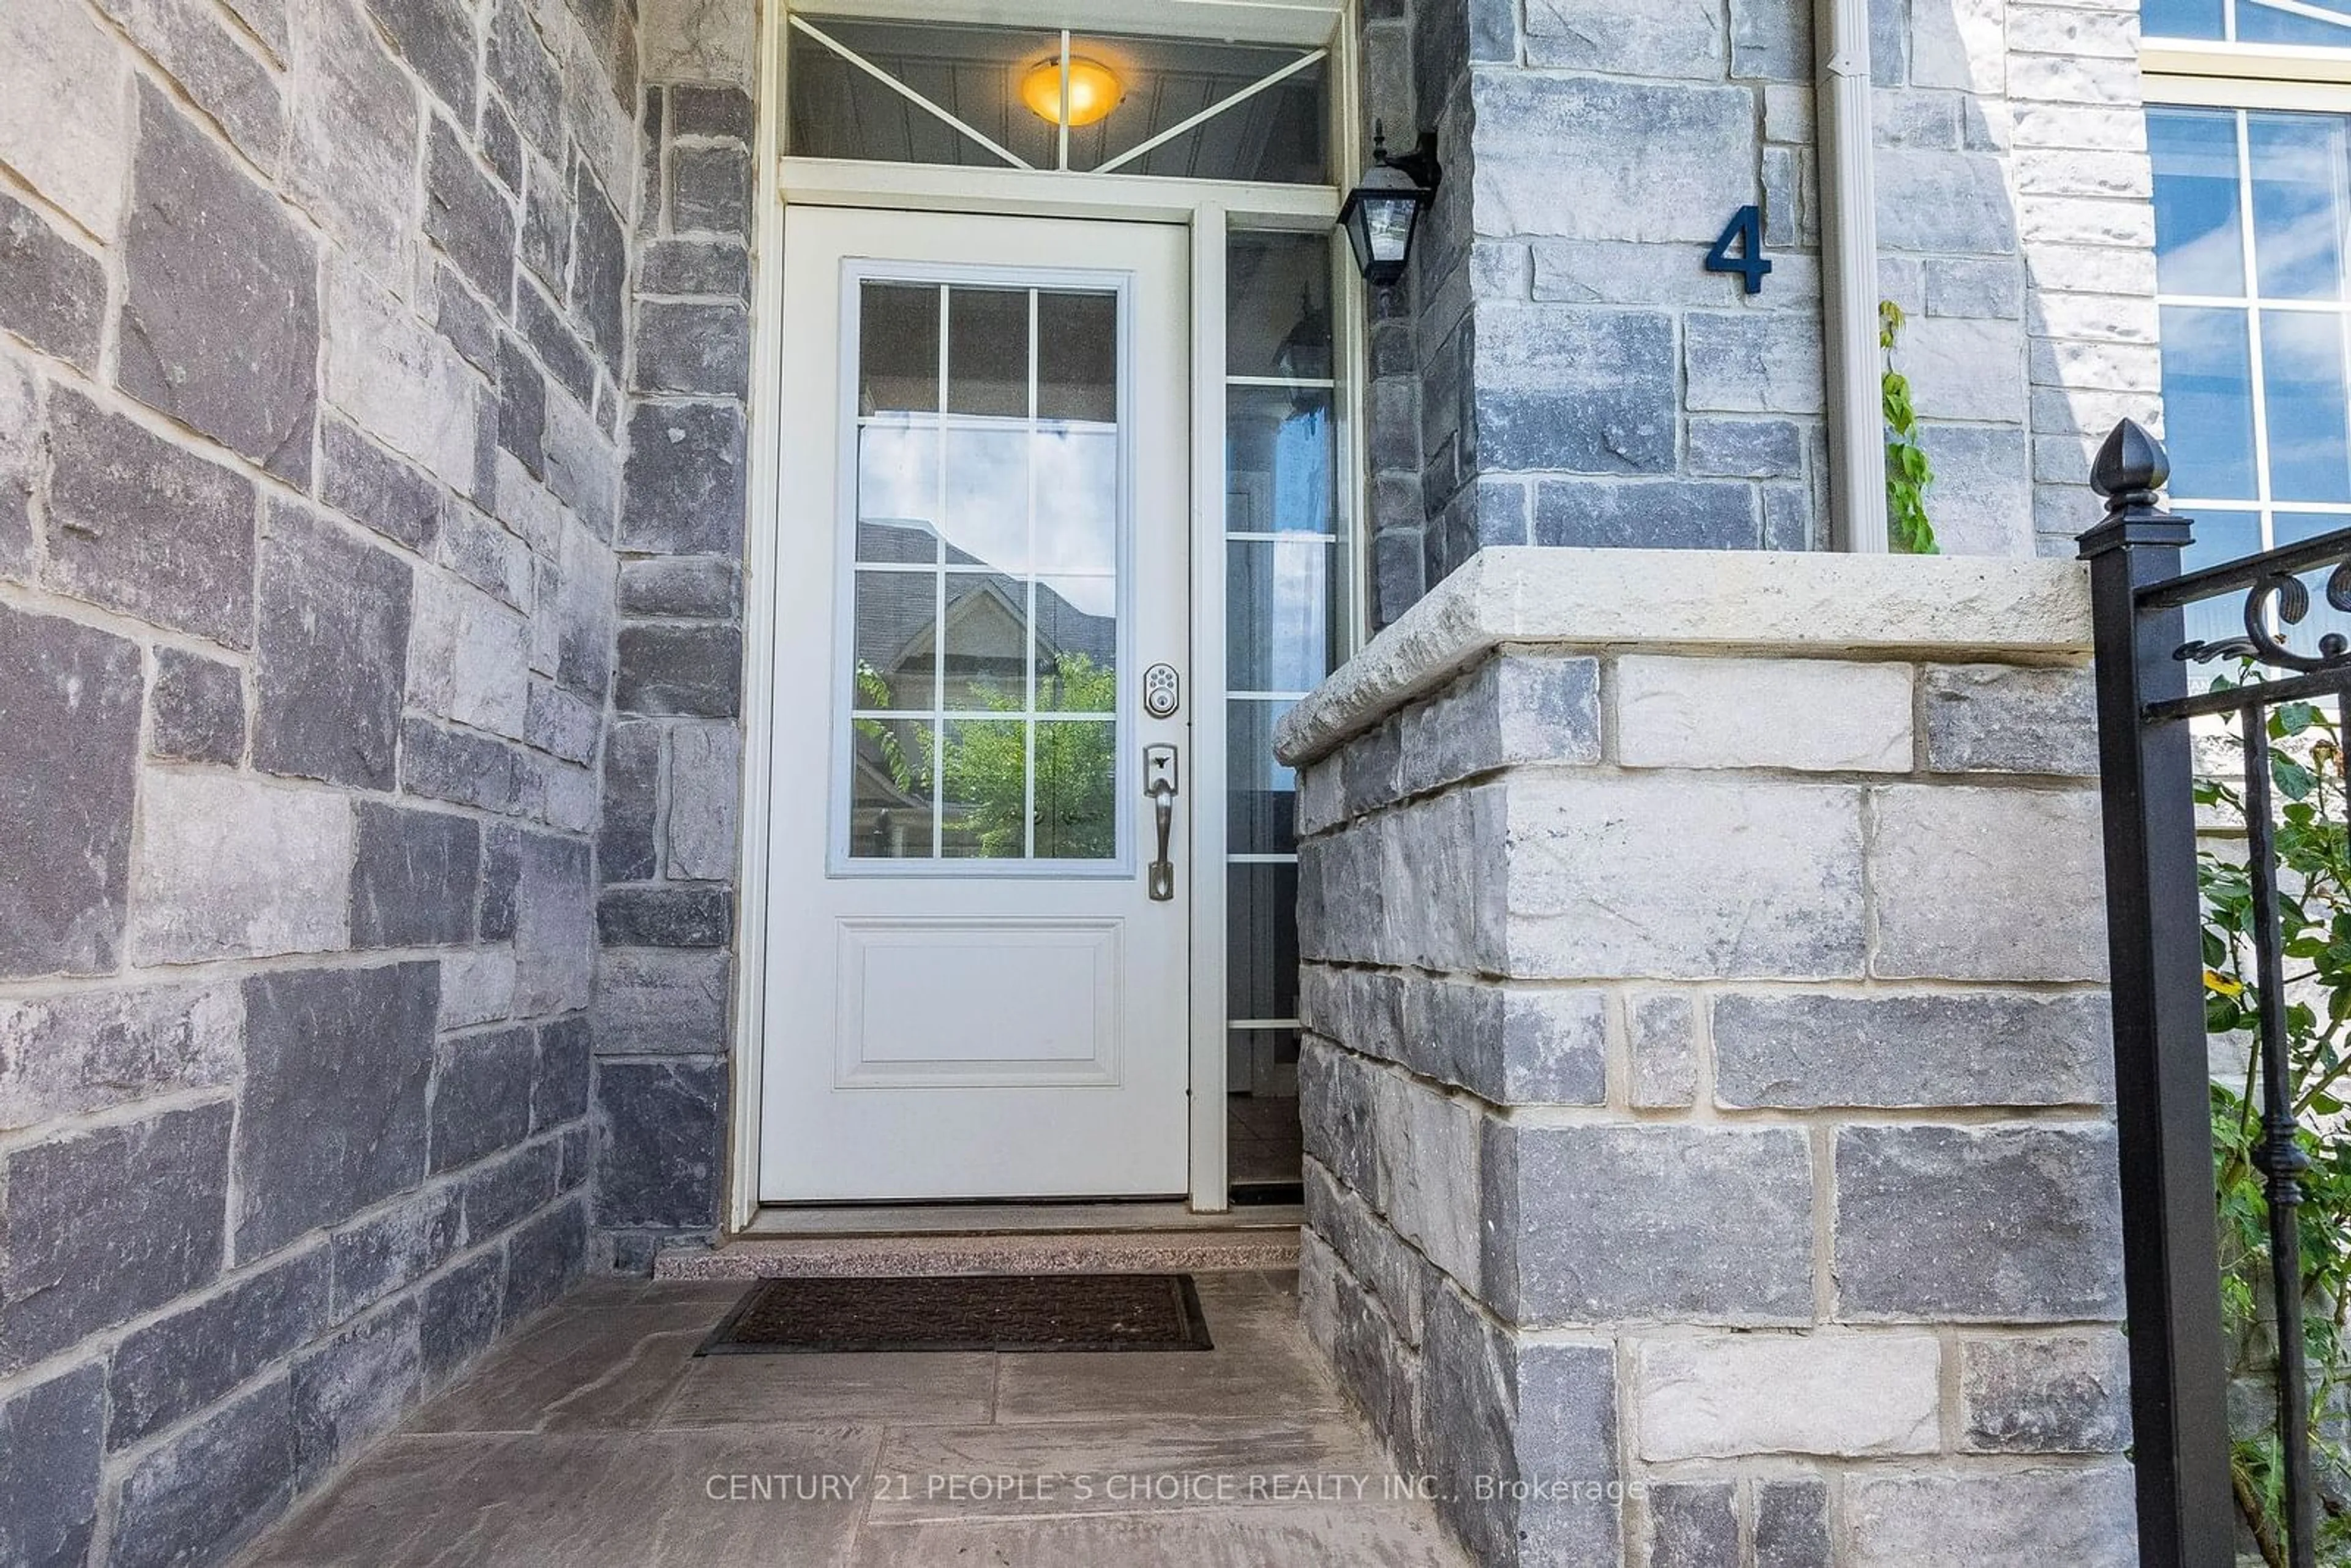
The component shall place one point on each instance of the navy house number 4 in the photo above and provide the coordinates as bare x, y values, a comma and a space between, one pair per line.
1745, 231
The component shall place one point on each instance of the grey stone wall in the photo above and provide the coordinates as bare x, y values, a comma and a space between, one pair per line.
312, 330
667, 845
1582, 380
1421, 436
1727, 1176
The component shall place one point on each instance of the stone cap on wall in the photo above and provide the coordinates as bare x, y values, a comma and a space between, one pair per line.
1716, 601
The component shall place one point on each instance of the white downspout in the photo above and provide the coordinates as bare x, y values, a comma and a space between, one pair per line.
1849, 278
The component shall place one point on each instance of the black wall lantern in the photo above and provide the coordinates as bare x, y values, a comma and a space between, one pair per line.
1384, 212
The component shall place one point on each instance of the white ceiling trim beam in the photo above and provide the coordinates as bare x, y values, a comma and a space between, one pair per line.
1041, 193
1302, 24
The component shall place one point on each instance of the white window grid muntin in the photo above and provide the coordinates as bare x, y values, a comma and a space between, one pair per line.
839, 862
1306, 60
2252, 304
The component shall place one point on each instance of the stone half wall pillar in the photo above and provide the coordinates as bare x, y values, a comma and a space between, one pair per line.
1707, 1083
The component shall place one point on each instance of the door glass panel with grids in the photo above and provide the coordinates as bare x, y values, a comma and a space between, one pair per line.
983, 678
972, 989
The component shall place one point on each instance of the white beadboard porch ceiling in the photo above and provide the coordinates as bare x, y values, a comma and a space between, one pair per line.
837, 108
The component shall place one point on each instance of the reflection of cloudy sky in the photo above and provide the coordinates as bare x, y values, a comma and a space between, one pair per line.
1278, 597
2301, 177
987, 498
2302, 363
2208, 405
897, 479
2209, 340
2208, 264
2298, 190
1301, 475
2200, 249
2296, 22
2208, 397
1298, 589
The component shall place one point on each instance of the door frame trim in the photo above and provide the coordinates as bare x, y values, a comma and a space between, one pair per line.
1211, 210
1211, 1190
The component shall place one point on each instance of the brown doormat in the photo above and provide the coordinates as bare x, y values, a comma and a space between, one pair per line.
965, 1312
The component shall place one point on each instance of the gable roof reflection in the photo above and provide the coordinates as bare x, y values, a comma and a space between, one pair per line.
987, 612
897, 617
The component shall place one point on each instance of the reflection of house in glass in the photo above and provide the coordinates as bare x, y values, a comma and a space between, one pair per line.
955, 755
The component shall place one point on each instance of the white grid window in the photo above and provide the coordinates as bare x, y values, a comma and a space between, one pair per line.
2254, 253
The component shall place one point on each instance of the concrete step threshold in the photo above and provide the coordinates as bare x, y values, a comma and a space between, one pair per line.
1224, 1248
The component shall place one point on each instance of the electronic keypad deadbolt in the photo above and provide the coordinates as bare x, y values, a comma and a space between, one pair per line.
1163, 691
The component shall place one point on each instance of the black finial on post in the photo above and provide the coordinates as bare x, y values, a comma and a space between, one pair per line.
2130, 467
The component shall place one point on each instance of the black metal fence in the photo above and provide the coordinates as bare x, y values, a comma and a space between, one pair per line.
2188, 1511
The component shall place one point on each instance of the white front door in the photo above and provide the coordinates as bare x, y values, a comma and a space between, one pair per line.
976, 983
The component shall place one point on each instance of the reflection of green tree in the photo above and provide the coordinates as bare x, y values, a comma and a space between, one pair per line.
984, 771
912, 775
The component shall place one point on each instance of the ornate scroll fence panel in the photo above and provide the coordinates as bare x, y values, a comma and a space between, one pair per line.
2163, 1076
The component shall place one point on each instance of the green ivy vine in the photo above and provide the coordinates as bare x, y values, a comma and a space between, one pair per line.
2306, 773
1907, 472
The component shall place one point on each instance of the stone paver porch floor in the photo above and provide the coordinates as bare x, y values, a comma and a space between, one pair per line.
595, 1438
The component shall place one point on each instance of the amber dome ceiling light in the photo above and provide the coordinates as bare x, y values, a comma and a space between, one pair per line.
1095, 90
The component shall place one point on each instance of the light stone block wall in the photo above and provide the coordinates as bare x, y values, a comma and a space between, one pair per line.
2084, 189
1706, 1078
1580, 380
2023, 247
